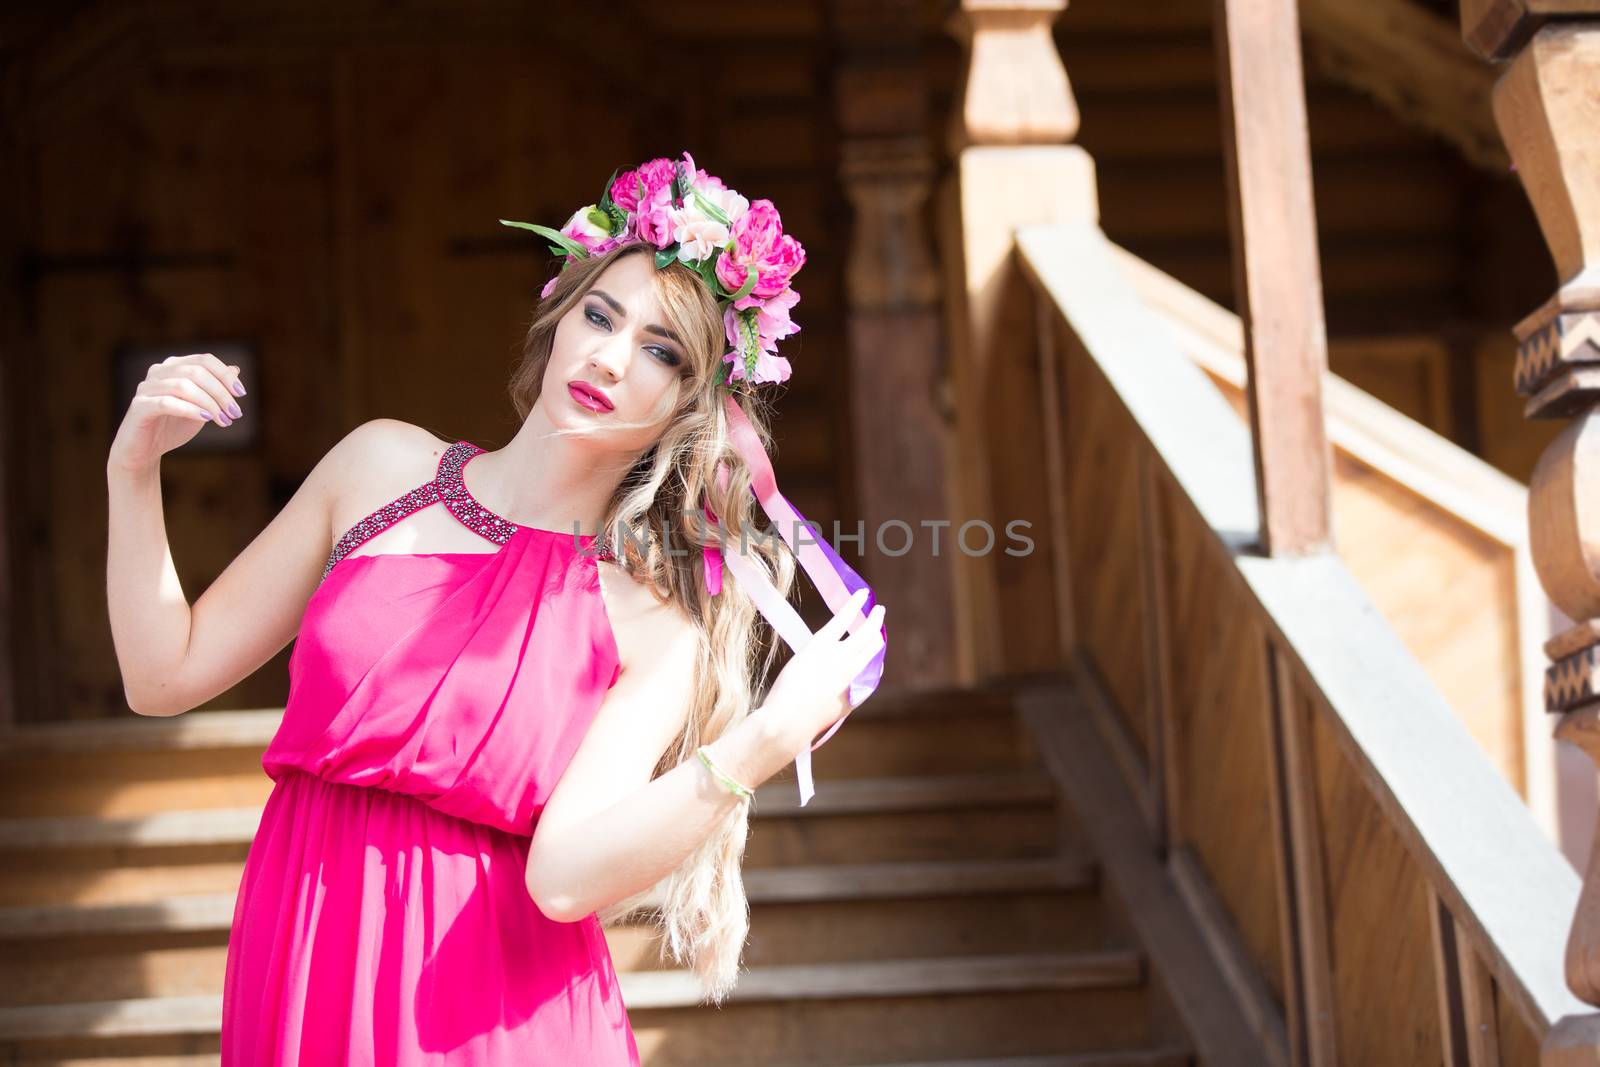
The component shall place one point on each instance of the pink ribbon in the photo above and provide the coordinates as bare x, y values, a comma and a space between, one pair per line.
832, 576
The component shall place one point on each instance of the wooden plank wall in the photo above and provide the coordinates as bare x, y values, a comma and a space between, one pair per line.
326, 187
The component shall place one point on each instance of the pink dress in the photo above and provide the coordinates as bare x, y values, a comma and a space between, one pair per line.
434, 701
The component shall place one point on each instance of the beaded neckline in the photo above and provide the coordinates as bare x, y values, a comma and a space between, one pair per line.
469, 509
448, 486
462, 504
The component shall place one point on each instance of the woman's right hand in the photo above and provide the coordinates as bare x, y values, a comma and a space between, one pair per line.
177, 397
811, 693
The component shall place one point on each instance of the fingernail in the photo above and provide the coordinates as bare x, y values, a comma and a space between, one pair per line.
206, 415
238, 387
234, 409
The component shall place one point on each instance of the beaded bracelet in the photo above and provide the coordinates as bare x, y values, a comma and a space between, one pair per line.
733, 786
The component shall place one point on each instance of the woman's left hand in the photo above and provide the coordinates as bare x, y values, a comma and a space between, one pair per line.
811, 693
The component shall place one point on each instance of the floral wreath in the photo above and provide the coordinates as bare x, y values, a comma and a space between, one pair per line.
736, 246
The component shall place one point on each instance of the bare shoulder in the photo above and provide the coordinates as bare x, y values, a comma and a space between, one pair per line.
376, 462
647, 629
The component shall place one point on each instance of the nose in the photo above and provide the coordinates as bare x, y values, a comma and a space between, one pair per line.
610, 358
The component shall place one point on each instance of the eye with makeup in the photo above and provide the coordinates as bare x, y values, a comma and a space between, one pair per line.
598, 319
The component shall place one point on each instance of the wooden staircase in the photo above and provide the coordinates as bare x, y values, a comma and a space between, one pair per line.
933, 904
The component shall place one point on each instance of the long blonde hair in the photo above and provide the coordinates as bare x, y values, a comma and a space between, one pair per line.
702, 915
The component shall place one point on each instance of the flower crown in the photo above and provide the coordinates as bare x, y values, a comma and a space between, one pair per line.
736, 246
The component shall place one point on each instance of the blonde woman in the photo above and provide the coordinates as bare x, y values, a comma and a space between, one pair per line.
501, 731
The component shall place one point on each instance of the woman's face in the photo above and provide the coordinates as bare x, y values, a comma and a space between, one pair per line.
614, 342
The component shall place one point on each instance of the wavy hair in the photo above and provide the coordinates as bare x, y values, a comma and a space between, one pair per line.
699, 911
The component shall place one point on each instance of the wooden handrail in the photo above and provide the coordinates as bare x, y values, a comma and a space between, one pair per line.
1352, 708
1452, 486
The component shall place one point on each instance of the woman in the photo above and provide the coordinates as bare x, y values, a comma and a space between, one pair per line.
501, 732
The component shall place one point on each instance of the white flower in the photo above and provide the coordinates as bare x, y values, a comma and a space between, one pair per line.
697, 227
583, 224
698, 236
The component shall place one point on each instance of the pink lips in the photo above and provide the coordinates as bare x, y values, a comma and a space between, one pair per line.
588, 397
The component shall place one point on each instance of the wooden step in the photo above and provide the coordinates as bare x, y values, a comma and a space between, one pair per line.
895, 978
804, 915
140, 765
251, 728
135, 859
1167, 1056
177, 914
898, 1010
783, 885
176, 1059
938, 982
152, 1016
136, 765
773, 801
890, 911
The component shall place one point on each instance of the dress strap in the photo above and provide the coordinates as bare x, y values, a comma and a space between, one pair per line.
398, 508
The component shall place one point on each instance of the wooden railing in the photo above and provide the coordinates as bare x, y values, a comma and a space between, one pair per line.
1381, 893
1436, 537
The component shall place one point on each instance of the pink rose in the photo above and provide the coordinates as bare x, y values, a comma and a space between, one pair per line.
759, 242
625, 190
656, 219
658, 174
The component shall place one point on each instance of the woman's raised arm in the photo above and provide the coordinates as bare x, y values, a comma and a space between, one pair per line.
174, 657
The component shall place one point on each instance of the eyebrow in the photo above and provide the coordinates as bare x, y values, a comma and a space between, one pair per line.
652, 328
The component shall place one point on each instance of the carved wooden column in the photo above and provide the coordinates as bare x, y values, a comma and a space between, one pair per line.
1014, 166
1547, 107
896, 365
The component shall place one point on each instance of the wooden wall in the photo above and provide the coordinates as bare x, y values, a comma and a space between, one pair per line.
324, 184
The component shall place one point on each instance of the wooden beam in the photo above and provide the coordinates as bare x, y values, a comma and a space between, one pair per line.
1277, 278
1496, 29
1012, 169
892, 322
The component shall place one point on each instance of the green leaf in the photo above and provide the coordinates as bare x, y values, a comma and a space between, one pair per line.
723, 370
681, 179
751, 277
708, 271
619, 219
665, 256
605, 203
568, 245
710, 209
